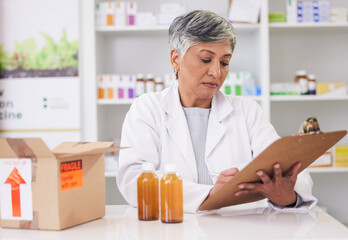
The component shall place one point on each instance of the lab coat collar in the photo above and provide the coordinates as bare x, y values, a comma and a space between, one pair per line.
170, 103
177, 127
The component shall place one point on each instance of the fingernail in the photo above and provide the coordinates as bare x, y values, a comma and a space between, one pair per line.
277, 165
259, 173
241, 186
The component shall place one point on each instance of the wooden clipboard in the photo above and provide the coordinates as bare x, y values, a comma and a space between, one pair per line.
286, 151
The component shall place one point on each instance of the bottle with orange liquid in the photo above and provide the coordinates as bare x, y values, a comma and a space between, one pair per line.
171, 196
148, 197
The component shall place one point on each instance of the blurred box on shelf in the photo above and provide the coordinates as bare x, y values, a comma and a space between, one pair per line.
324, 160
115, 13
51, 190
298, 11
331, 88
244, 11
168, 12
291, 11
120, 14
116, 86
285, 89
241, 84
146, 19
341, 156
105, 14
276, 17
131, 11
339, 15
324, 11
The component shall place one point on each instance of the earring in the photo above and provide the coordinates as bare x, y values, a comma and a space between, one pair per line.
176, 74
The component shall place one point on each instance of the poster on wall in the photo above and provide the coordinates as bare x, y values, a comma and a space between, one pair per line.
39, 83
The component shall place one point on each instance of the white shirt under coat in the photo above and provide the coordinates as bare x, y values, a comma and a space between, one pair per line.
156, 130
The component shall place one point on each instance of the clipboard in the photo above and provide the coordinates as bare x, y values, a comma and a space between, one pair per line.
286, 151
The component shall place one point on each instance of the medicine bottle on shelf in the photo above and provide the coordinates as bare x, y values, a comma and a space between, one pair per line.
159, 84
302, 79
140, 85
110, 87
171, 196
150, 83
148, 197
312, 84
101, 87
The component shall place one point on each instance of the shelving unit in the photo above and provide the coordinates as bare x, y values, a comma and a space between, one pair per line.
237, 27
308, 98
328, 170
307, 25
273, 51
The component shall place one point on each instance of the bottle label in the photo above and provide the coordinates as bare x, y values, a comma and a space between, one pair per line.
140, 88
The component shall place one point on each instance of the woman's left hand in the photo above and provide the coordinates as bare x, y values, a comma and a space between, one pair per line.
279, 189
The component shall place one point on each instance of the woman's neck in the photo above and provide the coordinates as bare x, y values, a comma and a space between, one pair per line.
190, 102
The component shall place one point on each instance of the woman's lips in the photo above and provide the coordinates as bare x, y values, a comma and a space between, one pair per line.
210, 84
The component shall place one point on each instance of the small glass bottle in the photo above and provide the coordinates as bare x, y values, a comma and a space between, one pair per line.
159, 84
171, 196
302, 79
140, 85
312, 84
148, 197
150, 83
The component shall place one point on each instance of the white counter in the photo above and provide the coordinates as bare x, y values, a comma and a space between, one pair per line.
253, 221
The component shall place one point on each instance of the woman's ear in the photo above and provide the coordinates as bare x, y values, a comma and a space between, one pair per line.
175, 60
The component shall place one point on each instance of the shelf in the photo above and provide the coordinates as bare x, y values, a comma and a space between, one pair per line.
238, 27
130, 101
307, 25
131, 28
290, 98
115, 101
255, 98
328, 169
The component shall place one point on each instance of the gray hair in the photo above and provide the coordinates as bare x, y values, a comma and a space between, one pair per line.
199, 26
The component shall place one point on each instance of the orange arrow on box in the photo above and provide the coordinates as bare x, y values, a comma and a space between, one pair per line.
15, 179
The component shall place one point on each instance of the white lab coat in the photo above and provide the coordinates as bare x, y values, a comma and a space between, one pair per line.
156, 130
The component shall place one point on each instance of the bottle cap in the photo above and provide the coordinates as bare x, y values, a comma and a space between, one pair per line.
149, 76
158, 80
148, 167
170, 168
311, 76
301, 73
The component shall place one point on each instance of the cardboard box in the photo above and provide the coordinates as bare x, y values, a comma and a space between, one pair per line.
324, 160
341, 156
52, 190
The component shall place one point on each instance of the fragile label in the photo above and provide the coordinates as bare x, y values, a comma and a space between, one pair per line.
15, 189
71, 175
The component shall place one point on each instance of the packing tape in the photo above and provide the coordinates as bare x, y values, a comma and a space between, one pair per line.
34, 224
21, 148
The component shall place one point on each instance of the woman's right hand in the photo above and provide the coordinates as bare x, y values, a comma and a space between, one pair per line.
223, 178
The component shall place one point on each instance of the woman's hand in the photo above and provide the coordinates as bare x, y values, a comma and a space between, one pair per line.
223, 178
279, 189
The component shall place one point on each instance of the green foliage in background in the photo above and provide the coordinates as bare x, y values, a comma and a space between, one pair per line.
53, 55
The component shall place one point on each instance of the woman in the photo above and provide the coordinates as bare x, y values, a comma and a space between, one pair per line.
192, 124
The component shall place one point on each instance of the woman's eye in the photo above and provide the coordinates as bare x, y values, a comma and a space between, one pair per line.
224, 64
205, 60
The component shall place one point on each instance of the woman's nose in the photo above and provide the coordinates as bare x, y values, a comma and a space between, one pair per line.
214, 69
